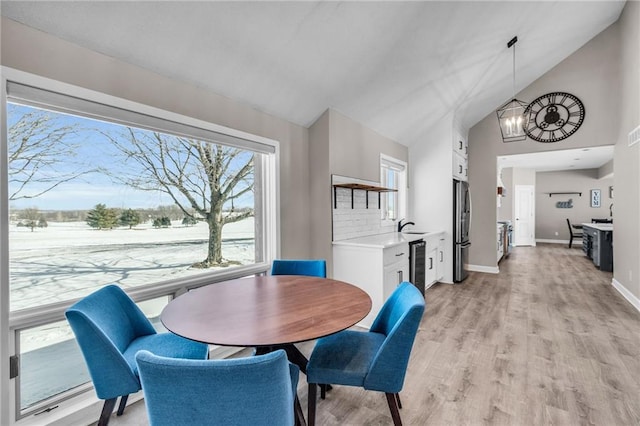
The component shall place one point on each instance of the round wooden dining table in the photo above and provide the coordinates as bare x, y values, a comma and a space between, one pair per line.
267, 312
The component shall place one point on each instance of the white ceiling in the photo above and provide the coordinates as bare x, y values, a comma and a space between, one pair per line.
569, 159
396, 67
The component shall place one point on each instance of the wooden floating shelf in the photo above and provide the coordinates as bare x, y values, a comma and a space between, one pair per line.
564, 193
364, 187
360, 187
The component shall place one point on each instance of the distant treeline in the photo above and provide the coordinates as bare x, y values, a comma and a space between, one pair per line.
172, 212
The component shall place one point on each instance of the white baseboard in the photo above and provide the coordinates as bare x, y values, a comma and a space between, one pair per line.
635, 302
553, 241
482, 268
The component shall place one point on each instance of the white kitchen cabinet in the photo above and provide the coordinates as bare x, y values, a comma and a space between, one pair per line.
377, 268
435, 258
431, 266
460, 157
460, 167
394, 274
440, 268
460, 146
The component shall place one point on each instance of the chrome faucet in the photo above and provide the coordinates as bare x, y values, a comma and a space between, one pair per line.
402, 225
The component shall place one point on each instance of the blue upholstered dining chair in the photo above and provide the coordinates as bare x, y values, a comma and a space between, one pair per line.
110, 330
258, 390
375, 360
310, 268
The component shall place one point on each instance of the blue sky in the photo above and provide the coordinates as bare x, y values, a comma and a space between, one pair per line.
94, 151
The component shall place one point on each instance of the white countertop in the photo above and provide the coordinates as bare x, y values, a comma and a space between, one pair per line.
384, 240
599, 226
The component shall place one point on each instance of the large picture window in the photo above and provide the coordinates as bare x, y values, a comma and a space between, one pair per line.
96, 202
98, 194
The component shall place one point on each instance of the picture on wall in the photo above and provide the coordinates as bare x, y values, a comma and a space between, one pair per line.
595, 198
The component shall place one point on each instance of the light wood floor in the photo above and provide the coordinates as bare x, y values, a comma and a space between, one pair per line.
546, 341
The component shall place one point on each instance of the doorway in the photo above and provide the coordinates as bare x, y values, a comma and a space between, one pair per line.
524, 213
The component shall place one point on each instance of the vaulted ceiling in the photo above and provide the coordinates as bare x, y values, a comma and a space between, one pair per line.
396, 67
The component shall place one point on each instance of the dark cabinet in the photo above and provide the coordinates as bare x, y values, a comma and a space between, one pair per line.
597, 244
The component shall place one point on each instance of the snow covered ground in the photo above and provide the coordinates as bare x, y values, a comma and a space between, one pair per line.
68, 260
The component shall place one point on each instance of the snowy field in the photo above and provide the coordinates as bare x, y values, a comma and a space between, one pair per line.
68, 260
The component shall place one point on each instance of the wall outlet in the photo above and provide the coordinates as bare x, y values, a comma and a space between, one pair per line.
634, 136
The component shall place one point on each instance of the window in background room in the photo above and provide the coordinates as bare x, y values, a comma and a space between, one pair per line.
393, 175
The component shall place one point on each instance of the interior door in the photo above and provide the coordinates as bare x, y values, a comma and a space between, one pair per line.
525, 210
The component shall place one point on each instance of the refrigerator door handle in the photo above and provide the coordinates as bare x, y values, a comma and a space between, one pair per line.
465, 245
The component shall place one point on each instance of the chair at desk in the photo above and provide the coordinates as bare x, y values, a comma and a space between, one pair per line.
310, 268
572, 234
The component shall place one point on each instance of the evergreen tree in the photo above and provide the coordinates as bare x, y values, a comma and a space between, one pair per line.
161, 222
189, 221
130, 218
101, 217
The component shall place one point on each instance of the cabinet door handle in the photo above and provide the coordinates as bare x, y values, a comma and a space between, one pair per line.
441, 256
431, 263
400, 277
460, 142
460, 167
399, 254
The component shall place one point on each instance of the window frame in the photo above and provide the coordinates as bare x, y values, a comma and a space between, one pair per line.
388, 162
11, 323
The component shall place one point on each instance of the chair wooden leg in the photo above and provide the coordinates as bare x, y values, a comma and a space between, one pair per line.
323, 391
393, 406
398, 401
107, 409
298, 413
123, 403
311, 404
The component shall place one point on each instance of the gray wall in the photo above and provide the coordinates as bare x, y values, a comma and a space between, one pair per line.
604, 75
592, 74
505, 209
626, 211
355, 149
320, 177
550, 219
36, 52
341, 146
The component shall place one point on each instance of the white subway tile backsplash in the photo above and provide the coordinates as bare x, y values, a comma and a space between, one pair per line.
358, 221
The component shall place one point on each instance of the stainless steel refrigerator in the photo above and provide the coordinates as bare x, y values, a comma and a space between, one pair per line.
461, 224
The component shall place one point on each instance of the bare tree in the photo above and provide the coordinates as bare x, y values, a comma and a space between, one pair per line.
39, 143
200, 177
30, 217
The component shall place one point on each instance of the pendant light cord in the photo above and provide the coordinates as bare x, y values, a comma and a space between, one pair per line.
514, 71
